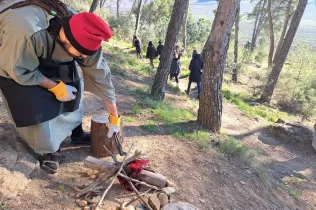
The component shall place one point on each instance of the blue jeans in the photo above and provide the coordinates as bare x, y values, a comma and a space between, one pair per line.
198, 86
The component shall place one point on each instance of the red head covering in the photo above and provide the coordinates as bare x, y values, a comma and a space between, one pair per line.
85, 32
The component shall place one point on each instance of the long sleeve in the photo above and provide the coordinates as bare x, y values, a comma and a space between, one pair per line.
97, 76
191, 65
19, 58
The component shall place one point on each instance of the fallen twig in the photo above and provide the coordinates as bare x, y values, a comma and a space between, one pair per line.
117, 173
138, 194
139, 182
135, 199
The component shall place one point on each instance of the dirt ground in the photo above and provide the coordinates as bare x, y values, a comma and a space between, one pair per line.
205, 178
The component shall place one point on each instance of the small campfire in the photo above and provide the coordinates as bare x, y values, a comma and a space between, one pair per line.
132, 173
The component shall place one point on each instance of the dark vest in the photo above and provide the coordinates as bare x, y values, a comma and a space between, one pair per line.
32, 105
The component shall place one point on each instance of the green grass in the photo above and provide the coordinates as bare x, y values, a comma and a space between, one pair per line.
3, 205
136, 109
168, 114
234, 148
240, 100
129, 119
291, 191
201, 138
151, 126
61, 188
121, 61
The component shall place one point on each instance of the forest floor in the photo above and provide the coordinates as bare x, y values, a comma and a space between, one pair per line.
278, 174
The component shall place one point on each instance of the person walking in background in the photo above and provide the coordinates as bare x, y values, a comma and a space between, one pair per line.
175, 65
151, 53
159, 49
196, 67
138, 46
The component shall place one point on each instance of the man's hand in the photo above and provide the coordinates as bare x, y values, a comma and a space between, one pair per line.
114, 125
64, 92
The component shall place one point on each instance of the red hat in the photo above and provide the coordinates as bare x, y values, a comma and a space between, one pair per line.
85, 32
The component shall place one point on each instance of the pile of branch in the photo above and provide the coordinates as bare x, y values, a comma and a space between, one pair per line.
112, 170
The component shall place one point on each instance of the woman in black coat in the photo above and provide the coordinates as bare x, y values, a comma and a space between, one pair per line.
175, 67
151, 53
196, 67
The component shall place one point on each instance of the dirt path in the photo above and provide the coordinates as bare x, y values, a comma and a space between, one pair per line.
206, 179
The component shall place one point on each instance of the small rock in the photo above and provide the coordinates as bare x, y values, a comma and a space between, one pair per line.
93, 206
243, 183
154, 202
90, 173
235, 184
95, 172
86, 208
96, 199
82, 203
168, 190
93, 176
202, 200
216, 170
163, 198
248, 171
169, 183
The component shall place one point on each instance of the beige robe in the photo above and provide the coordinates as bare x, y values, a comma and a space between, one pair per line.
24, 38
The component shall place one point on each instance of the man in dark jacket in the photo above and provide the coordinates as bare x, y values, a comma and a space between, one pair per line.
196, 67
138, 46
151, 53
159, 49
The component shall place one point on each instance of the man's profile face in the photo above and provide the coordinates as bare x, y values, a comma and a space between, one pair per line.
68, 47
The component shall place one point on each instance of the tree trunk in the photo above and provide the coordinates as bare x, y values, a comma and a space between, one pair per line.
279, 61
176, 20
139, 10
184, 29
285, 25
102, 2
94, 6
118, 8
258, 26
235, 69
271, 34
214, 55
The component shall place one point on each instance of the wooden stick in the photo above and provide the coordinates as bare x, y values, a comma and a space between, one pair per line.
138, 194
139, 182
120, 169
135, 199
109, 151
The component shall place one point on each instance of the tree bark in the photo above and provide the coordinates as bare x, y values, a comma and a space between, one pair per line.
118, 8
214, 55
285, 26
99, 137
102, 2
259, 23
271, 35
184, 29
94, 6
279, 61
176, 20
139, 10
235, 69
